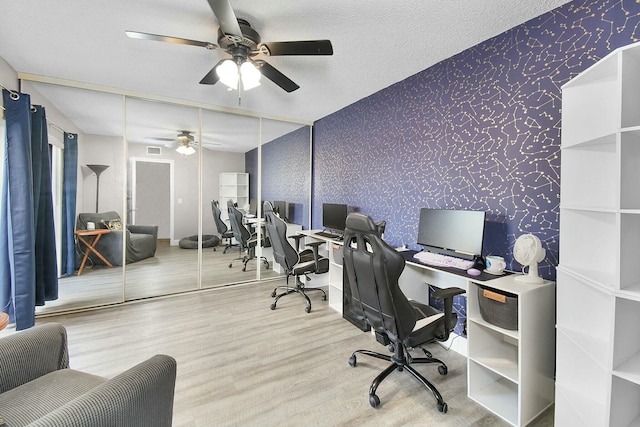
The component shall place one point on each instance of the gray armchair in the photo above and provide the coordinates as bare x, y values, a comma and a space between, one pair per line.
142, 240
38, 389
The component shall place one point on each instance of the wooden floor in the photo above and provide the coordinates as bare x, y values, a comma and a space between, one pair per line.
242, 364
172, 270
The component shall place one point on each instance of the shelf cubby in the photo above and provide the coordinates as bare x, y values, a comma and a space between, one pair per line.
630, 89
494, 392
590, 241
629, 249
581, 124
494, 351
626, 348
629, 170
600, 186
625, 403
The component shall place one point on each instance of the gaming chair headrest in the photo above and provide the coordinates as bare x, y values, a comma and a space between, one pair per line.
267, 207
360, 222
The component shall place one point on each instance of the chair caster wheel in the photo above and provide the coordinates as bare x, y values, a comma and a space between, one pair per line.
273, 294
442, 407
443, 370
352, 361
374, 400
308, 309
391, 348
427, 353
230, 265
244, 268
273, 306
324, 297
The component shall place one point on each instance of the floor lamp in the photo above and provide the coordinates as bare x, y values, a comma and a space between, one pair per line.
97, 169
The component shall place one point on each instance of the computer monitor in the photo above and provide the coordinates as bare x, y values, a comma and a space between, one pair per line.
334, 216
280, 208
457, 233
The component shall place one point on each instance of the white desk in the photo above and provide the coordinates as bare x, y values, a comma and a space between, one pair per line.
510, 373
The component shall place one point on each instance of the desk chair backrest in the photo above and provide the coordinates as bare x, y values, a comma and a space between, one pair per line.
373, 268
283, 253
220, 225
240, 232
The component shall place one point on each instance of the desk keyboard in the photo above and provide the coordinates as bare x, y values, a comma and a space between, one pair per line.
328, 235
439, 260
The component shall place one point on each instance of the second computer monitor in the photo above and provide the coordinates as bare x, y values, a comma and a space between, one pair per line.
280, 208
334, 216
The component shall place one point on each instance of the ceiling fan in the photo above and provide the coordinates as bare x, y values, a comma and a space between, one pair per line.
237, 38
183, 142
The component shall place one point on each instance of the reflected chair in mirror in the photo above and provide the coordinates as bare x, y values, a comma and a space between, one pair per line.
373, 269
222, 228
246, 240
293, 262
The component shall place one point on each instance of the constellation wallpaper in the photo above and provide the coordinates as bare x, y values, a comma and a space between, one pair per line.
285, 173
480, 130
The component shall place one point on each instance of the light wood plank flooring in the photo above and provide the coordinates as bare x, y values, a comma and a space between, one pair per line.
172, 270
242, 364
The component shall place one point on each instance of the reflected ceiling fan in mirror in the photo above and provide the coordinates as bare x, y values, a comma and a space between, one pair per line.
238, 39
184, 143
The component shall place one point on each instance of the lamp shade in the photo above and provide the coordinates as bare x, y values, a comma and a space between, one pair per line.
227, 71
186, 150
250, 75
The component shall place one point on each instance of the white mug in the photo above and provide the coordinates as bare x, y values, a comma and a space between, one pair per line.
495, 264
91, 226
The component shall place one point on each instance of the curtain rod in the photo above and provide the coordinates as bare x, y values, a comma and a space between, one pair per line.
14, 93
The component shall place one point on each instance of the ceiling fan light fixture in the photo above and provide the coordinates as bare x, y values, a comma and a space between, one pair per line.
250, 75
227, 71
185, 150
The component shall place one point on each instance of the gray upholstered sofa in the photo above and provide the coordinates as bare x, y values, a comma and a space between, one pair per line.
142, 240
37, 388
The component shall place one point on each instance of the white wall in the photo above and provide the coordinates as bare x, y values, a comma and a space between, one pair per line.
186, 184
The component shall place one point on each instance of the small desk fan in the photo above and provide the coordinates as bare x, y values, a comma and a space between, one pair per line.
528, 251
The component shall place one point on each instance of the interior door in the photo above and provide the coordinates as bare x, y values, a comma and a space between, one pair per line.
152, 196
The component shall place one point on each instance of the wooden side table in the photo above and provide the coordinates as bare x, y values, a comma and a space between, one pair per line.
4, 320
94, 236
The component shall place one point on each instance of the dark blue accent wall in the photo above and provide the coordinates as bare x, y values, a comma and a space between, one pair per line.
480, 130
286, 173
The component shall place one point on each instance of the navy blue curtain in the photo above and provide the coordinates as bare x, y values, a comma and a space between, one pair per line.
69, 189
17, 239
45, 246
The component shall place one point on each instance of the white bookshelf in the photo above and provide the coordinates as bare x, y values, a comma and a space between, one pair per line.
598, 343
234, 186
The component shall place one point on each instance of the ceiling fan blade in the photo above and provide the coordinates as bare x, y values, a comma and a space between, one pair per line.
226, 18
212, 77
303, 47
169, 39
276, 76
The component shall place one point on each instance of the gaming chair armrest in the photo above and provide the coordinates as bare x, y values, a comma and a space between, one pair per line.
322, 264
447, 295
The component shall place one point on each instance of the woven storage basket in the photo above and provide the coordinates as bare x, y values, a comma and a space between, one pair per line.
498, 308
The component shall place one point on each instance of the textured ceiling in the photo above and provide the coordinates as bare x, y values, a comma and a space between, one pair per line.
376, 43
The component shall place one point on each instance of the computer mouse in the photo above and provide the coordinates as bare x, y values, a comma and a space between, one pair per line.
473, 272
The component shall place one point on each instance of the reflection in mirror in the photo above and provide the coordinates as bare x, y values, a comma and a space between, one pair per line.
227, 138
101, 187
286, 176
286, 169
163, 144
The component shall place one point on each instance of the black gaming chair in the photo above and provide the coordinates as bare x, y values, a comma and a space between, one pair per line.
223, 230
293, 262
373, 269
246, 240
